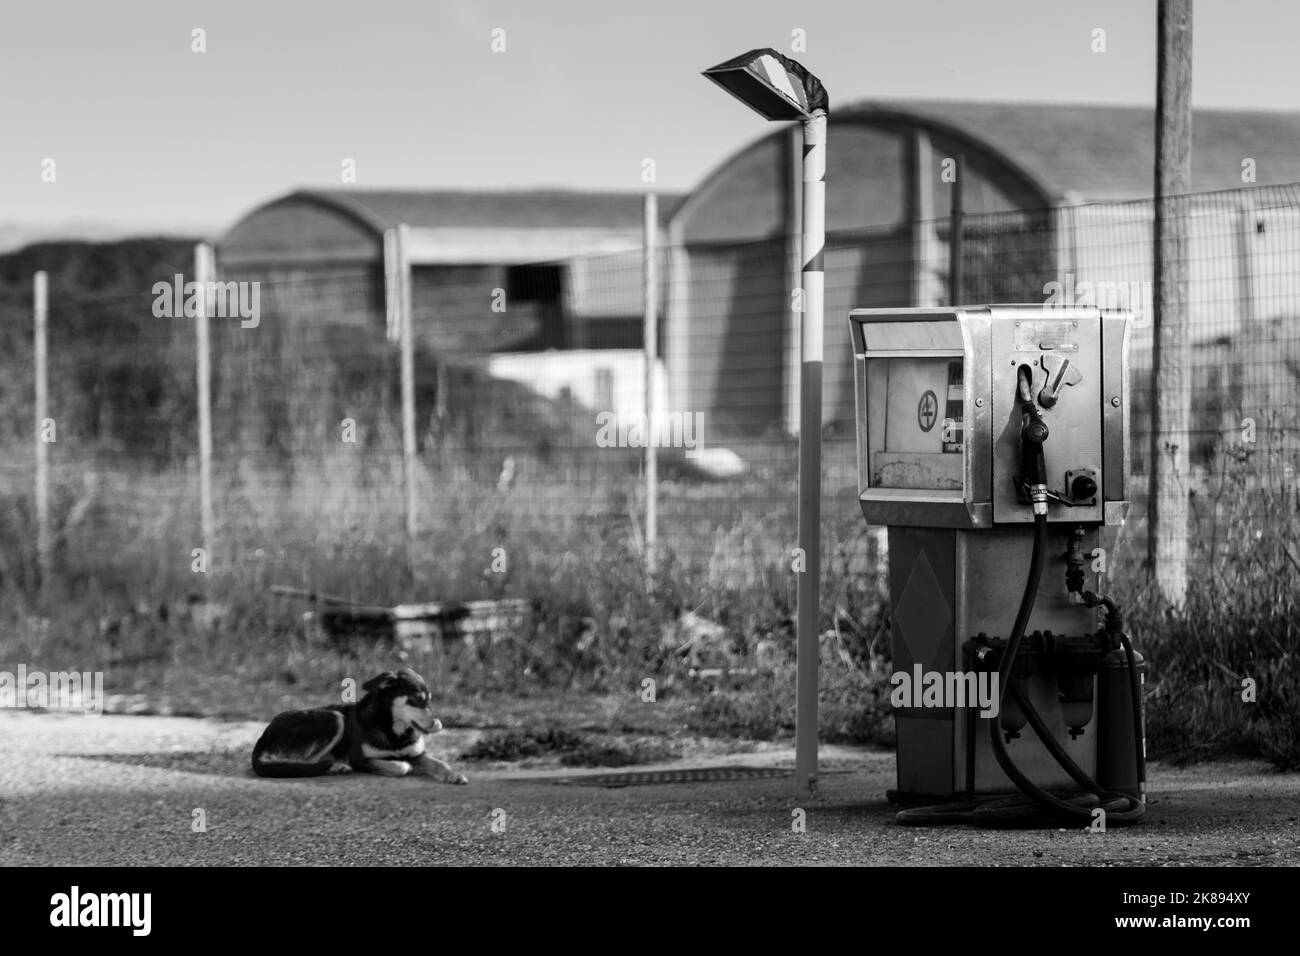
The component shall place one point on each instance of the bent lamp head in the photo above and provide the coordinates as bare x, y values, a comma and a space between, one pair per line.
773, 85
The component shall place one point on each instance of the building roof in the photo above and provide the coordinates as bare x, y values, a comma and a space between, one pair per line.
492, 209
343, 224
1089, 152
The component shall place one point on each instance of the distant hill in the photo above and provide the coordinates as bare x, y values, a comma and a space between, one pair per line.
17, 235
80, 268
111, 372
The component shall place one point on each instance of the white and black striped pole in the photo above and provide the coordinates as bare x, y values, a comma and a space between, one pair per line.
779, 88
810, 445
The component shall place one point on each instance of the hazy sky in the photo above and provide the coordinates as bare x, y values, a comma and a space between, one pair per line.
143, 130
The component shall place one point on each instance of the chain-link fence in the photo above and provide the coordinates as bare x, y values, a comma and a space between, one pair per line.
530, 408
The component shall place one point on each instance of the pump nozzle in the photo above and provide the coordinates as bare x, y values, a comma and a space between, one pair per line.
1033, 432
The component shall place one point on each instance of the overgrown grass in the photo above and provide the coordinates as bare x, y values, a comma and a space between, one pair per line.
1224, 667
600, 627
333, 524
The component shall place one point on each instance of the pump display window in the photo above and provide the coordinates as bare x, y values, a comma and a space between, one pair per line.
915, 427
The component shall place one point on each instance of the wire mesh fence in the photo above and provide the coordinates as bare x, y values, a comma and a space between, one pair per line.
530, 408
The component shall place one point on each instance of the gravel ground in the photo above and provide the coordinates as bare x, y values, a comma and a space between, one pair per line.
124, 790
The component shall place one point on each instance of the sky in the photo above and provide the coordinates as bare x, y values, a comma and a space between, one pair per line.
144, 132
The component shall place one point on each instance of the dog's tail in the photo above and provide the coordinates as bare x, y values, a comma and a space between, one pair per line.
298, 744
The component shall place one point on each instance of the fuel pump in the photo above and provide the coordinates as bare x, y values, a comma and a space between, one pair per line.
993, 445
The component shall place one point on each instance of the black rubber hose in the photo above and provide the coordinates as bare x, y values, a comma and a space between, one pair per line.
1121, 808
1035, 720
1132, 809
939, 814
1006, 676
1114, 625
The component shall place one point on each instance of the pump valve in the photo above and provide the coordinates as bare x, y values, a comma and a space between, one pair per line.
1060, 374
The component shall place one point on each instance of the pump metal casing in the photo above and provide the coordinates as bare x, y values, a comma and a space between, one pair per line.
913, 486
939, 452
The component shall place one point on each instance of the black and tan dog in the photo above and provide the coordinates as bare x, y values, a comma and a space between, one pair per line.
381, 733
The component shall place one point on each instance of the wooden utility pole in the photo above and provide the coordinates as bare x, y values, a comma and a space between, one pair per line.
1167, 506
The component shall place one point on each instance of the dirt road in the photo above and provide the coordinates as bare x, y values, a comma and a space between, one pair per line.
133, 790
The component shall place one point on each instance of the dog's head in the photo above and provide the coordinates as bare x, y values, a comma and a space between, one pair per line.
405, 696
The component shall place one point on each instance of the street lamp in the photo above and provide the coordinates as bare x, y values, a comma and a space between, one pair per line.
778, 88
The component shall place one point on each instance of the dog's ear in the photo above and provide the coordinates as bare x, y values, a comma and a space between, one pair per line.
410, 675
387, 677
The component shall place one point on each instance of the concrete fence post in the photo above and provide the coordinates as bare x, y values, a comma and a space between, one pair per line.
204, 274
40, 358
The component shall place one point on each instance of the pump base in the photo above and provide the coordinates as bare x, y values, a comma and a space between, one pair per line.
946, 586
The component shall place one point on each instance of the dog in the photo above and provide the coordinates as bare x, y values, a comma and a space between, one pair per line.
381, 733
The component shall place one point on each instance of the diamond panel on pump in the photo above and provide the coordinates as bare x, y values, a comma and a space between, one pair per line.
922, 614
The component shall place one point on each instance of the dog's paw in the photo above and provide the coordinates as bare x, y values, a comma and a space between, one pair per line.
459, 779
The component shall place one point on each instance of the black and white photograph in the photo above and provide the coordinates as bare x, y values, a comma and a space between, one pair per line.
583, 435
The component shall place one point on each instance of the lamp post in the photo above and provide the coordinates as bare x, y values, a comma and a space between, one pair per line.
778, 88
